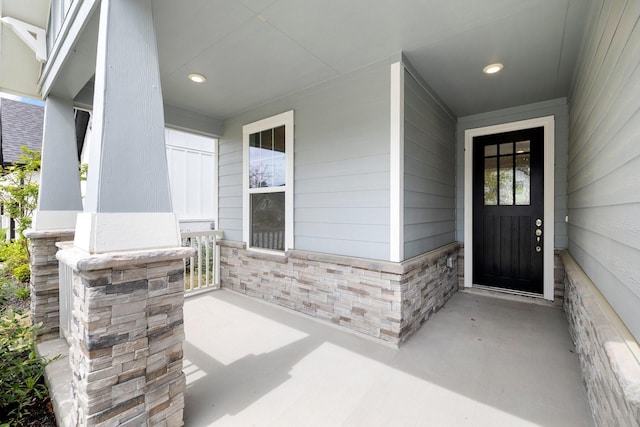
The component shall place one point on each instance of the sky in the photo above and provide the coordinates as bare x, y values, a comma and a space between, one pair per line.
21, 99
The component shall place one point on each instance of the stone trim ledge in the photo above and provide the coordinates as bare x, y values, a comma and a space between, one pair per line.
80, 260
58, 377
62, 235
609, 354
342, 260
231, 244
429, 257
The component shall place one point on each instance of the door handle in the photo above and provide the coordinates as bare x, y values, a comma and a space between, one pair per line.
538, 235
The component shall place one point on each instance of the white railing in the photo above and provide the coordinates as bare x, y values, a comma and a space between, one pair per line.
202, 271
65, 278
268, 239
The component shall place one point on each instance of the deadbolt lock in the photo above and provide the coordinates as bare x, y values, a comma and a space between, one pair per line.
538, 248
538, 222
538, 232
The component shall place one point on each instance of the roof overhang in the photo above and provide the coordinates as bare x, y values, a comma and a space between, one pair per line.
19, 66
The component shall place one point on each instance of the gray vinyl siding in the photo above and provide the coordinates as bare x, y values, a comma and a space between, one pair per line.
230, 189
429, 171
341, 201
604, 157
557, 108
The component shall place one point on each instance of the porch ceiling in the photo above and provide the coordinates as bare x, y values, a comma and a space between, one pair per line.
19, 69
252, 51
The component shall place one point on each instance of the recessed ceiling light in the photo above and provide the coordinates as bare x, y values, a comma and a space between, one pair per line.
492, 68
198, 78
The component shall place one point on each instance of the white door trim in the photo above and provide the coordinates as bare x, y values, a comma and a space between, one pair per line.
548, 123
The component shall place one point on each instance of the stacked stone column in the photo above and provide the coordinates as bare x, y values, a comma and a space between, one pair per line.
127, 336
45, 283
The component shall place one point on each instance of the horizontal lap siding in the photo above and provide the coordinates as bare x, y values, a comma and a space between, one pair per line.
230, 187
429, 172
604, 158
341, 202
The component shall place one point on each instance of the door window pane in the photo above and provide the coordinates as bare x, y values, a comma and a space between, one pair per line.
267, 220
523, 179
490, 150
491, 181
523, 147
506, 148
506, 180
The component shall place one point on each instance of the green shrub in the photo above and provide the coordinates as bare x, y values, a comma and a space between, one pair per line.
22, 273
19, 189
23, 292
15, 259
7, 290
21, 369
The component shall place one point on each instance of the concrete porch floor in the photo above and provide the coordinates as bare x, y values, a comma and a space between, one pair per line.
479, 361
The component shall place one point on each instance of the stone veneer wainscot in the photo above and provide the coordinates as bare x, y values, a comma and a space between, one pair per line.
381, 299
609, 355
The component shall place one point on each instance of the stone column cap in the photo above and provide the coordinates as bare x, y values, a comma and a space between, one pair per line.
80, 260
46, 234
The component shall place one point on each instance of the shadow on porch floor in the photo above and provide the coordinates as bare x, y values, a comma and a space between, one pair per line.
479, 361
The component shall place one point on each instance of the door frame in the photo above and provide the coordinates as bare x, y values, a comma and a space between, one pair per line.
548, 122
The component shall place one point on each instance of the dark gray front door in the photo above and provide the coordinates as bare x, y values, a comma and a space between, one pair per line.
508, 208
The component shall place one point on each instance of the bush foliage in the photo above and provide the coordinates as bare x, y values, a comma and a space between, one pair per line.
21, 369
15, 260
19, 192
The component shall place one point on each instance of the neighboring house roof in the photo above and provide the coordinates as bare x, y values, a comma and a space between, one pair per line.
20, 124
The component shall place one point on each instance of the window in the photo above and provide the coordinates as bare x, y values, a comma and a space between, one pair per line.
57, 16
507, 174
268, 183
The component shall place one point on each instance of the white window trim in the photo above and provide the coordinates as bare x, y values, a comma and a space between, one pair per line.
285, 119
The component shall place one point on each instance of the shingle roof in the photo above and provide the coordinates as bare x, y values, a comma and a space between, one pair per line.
20, 124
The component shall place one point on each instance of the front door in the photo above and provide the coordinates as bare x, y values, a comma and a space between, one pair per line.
508, 210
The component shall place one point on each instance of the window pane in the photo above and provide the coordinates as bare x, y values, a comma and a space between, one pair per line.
267, 160
523, 180
267, 221
254, 140
278, 139
506, 180
490, 150
506, 148
523, 147
491, 181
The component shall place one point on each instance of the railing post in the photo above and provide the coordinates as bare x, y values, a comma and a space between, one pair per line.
216, 251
